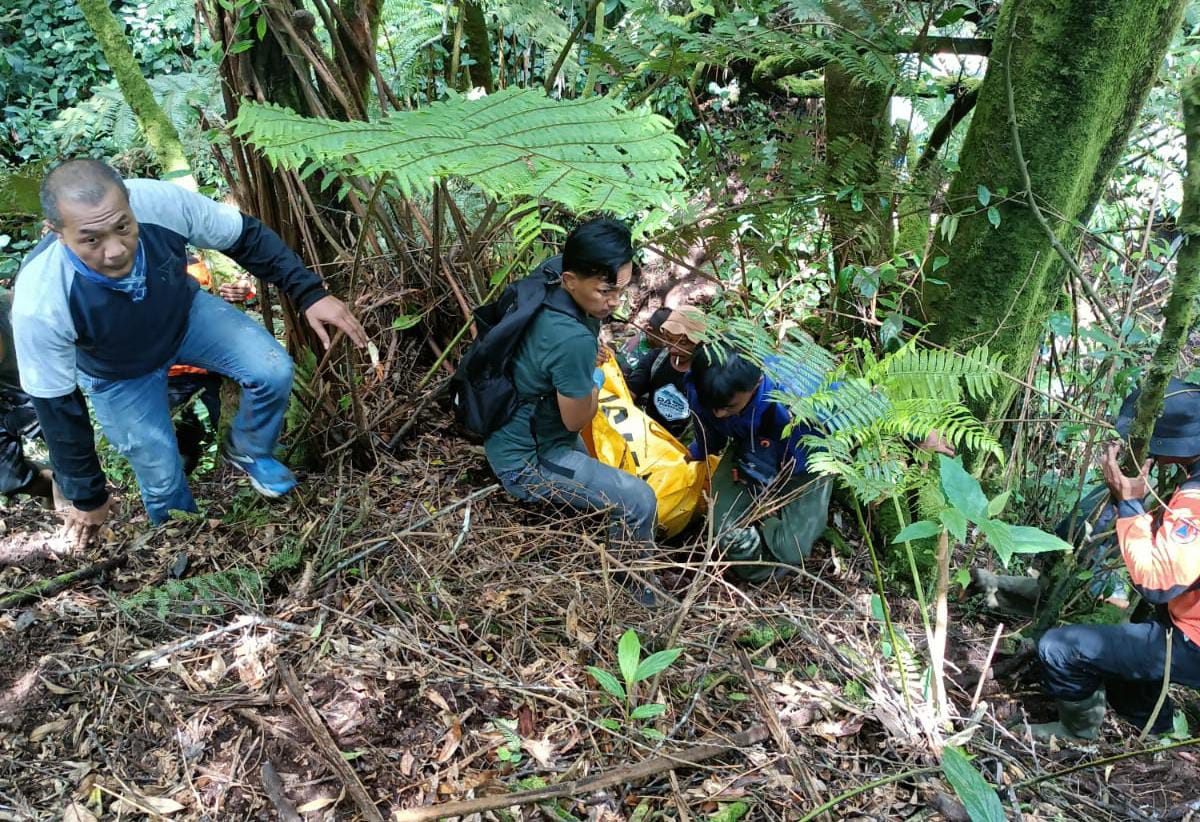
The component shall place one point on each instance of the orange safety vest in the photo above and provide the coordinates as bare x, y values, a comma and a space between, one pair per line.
1164, 558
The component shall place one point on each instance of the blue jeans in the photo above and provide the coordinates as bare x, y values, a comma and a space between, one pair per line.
573, 478
1126, 660
135, 414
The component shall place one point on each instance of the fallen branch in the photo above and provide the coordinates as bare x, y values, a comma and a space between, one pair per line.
383, 543
191, 642
49, 587
850, 794
273, 785
324, 740
1108, 760
618, 776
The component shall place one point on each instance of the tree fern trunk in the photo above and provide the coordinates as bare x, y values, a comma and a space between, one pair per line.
156, 126
362, 25
1080, 70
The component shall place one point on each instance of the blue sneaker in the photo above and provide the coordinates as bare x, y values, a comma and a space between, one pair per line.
267, 475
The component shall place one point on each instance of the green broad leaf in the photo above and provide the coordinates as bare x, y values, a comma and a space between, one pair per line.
951, 16
949, 227
993, 215
240, 46
963, 578
649, 711
608, 682
985, 196
889, 332
1179, 725
962, 490
629, 651
939, 262
955, 523
587, 154
997, 503
656, 663
877, 610
978, 797
999, 536
350, 756
405, 321
653, 734
730, 813
610, 724
1030, 540
260, 28
921, 529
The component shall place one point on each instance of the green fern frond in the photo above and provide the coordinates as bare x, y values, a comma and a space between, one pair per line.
542, 23
588, 155
409, 28
180, 96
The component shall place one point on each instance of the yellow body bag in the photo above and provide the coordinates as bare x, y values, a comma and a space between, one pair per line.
625, 437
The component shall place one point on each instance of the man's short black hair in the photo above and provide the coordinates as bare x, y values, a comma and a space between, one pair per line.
598, 248
719, 372
82, 181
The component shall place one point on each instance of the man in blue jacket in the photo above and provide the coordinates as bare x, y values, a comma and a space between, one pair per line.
104, 304
767, 507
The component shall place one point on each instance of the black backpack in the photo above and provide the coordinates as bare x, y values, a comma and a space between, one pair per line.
482, 388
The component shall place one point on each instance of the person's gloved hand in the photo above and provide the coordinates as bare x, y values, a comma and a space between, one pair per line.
740, 543
598, 378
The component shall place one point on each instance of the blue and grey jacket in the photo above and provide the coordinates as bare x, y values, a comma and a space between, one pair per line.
64, 323
757, 433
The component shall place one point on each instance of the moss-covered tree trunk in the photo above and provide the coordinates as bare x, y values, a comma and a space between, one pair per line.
160, 134
1177, 316
858, 137
479, 45
1080, 71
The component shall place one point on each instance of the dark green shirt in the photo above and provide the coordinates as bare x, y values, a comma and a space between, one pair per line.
556, 356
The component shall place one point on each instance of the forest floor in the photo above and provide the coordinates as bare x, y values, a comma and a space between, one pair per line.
245, 665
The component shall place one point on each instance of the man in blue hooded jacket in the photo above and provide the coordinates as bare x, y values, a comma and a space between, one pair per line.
767, 507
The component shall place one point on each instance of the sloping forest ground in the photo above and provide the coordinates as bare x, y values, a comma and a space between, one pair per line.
407, 635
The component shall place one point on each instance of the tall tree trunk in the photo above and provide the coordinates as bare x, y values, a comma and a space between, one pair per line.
1177, 316
858, 137
1079, 72
479, 45
160, 133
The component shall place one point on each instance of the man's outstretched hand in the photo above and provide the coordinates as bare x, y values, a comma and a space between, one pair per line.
1123, 487
332, 311
81, 527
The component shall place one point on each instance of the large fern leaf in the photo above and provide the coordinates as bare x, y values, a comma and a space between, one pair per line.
586, 154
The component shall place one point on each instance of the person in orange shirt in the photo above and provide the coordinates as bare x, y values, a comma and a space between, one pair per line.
185, 382
1083, 663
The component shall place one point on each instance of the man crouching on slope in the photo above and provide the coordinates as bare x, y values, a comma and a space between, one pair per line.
1162, 552
104, 304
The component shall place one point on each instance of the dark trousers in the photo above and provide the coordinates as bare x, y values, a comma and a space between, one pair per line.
190, 433
18, 420
1126, 660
